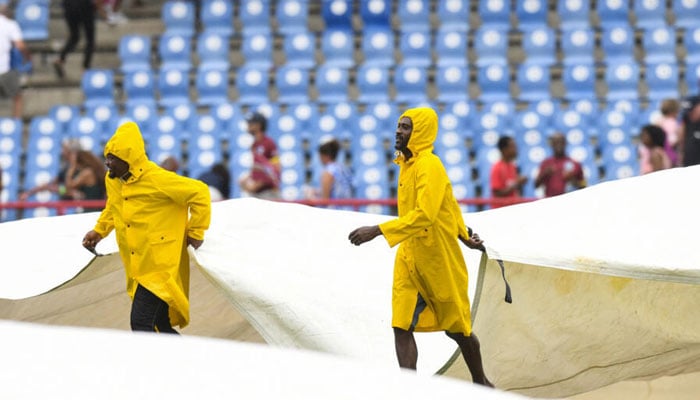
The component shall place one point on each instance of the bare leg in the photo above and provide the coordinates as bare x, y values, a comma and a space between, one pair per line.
471, 351
406, 349
17, 106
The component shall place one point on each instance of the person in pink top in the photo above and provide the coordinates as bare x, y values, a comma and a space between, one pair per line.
559, 174
653, 138
505, 180
670, 109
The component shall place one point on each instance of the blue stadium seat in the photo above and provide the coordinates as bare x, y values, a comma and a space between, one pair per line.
539, 45
213, 50
617, 43
139, 87
491, 46
503, 107
292, 84
292, 16
173, 87
328, 126
387, 114
299, 49
578, 46
587, 107
614, 128
293, 175
103, 114
306, 114
612, 12
622, 81
165, 142
630, 107
526, 122
453, 15
376, 13
378, 47
337, 14
574, 14
178, 16
33, 20
450, 147
62, 114
134, 53
216, 16
410, 83
212, 86
332, 84
252, 84
98, 87
87, 131
487, 127
531, 14
285, 130
569, 120
452, 83
257, 50
206, 124
545, 107
163, 125
533, 81
463, 110
414, 16
175, 51
620, 162
686, 13
494, 14
144, 115
372, 183
226, 114
579, 81
255, 17
583, 153
649, 14
662, 80
494, 82
450, 48
691, 42
345, 112
415, 48
692, 77
337, 47
659, 45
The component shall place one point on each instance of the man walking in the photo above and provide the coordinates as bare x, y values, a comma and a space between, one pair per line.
430, 275
156, 215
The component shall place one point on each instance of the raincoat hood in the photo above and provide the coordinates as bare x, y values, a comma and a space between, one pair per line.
127, 144
425, 129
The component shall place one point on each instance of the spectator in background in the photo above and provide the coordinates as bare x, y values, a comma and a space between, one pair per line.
218, 179
170, 163
336, 178
653, 138
559, 174
113, 13
85, 177
78, 13
505, 180
11, 36
689, 139
670, 108
264, 177
58, 183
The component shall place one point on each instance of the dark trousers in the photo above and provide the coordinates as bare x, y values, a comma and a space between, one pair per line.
77, 13
149, 313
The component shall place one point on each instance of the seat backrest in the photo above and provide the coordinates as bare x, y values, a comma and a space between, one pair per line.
686, 13
691, 42
579, 81
622, 81
415, 48
134, 52
410, 84
372, 83
337, 14
212, 86
292, 84
494, 82
173, 87
451, 48
414, 15
299, 49
578, 46
332, 84
255, 17
494, 13
179, 16
452, 83
662, 80
453, 15
534, 81
378, 46
376, 13
337, 47
257, 49
213, 50
33, 20
490, 46
612, 12
98, 86
649, 14
252, 84
539, 45
175, 51
216, 16
292, 16
659, 44
617, 43
139, 86
531, 13
574, 14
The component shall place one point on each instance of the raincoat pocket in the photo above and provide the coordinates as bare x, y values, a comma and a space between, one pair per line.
164, 248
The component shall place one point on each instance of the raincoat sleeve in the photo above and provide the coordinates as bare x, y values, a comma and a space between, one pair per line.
431, 183
195, 195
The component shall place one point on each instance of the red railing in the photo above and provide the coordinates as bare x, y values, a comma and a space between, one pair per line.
62, 206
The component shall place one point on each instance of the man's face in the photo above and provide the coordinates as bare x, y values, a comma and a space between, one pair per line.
558, 144
254, 128
116, 166
403, 134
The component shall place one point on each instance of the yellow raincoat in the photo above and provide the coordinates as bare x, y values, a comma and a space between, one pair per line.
429, 260
150, 214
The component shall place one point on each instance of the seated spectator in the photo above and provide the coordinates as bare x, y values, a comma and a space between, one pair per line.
11, 36
505, 180
58, 183
559, 173
85, 177
336, 178
264, 177
670, 110
689, 139
170, 163
219, 181
653, 138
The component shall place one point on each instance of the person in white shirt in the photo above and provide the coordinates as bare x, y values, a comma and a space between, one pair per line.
10, 36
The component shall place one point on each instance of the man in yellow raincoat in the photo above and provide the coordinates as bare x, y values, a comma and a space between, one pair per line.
148, 207
430, 275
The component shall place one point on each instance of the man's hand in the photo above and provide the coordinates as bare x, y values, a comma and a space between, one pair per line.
91, 239
474, 242
195, 243
364, 234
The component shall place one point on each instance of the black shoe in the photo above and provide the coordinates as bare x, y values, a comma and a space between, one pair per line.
58, 68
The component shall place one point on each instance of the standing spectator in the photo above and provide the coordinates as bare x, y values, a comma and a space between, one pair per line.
653, 138
219, 181
78, 13
670, 108
559, 173
11, 35
264, 177
430, 276
85, 177
505, 181
336, 178
58, 183
690, 132
156, 215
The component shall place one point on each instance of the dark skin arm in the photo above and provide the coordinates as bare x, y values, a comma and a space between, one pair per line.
474, 242
364, 234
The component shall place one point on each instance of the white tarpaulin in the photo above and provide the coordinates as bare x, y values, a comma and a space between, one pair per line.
604, 282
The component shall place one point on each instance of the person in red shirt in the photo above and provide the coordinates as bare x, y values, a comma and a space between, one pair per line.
559, 173
264, 177
505, 181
